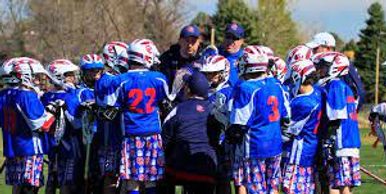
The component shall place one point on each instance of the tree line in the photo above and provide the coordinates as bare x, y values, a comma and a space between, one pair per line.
50, 29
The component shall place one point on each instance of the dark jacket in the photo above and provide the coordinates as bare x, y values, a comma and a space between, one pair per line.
171, 61
353, 80
186, 141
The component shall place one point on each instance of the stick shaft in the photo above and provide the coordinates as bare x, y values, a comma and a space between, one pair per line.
364, 170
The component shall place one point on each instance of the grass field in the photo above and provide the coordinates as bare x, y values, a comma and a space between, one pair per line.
372, 159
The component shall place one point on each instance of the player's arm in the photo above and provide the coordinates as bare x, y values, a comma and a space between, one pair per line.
34, 113
242, 108
73, 111
168, 128
336, 106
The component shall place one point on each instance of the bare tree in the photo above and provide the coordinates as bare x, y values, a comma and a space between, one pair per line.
68, 28
163, 20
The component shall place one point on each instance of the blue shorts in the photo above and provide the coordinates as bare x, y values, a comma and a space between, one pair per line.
142, 158
345, 171
258, 175
25, 170
70, 171
108, 160
298, 179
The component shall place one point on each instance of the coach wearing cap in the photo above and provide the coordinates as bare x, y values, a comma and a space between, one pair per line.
182, 53
231, 48
322, 42
325, 42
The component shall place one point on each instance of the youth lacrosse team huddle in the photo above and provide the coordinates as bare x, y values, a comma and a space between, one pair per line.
129, 120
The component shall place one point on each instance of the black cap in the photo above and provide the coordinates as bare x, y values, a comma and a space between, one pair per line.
198, 84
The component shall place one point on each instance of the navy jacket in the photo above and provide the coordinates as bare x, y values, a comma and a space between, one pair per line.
171, 61
185, 138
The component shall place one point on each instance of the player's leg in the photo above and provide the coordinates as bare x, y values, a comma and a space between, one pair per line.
273, 174
344, 174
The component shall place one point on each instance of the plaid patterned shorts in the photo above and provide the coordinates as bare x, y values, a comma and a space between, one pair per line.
345, 171
70, 171
258, 175
25, 170
142, 158
298, 179
108, 160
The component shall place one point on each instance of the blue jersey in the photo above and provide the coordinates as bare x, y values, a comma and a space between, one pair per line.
139, 97
341, 105
22, 115
69, 144
106, 89
109, 133
286, 96
84, 93
47, 98
222, 99
306, 113
233, 59
259, 105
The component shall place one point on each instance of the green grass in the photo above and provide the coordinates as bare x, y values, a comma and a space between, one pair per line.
372, 159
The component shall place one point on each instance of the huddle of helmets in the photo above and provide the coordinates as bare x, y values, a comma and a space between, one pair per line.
116, 55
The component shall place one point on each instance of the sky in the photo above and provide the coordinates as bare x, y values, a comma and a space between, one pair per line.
344, 17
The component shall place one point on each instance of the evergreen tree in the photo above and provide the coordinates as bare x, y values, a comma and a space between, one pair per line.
339, 43
371, 37
350, 46
236, 11
276, 27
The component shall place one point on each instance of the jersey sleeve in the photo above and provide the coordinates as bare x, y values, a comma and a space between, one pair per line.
113, 89
162, 88
243, 106
336, 106
32, 110
285, 107
168, 127
72, 112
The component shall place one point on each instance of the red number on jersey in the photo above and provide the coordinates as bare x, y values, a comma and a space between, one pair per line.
274, 116
137, 94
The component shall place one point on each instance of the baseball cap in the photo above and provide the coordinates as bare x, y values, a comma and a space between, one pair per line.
190, 30
198, 84
235, 29
322, 39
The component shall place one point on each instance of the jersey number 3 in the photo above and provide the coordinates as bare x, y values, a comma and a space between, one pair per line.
137, 94
274, 115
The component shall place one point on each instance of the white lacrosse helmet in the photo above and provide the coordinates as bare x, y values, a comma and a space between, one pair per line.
337, 63
143, 51
59, 67
6, 72
300, 71
266, 50
217, 63
24, 72
253, 60
115, 55
300, 52
36, 66
279, 69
